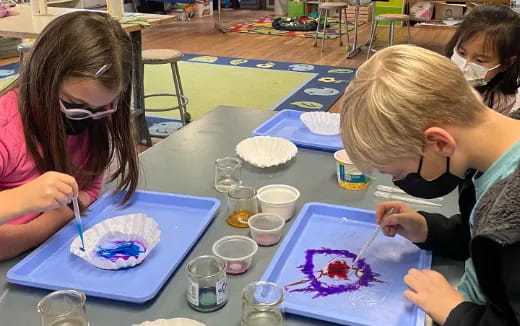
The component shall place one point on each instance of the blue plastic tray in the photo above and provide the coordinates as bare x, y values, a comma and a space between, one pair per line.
287, 124
319, 227
181, 219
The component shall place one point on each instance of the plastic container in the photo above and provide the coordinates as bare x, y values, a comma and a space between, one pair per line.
349, 176
237, 251
266, 229
278, 199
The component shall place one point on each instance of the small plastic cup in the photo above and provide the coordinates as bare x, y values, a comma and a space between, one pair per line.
237, 251
349, 176
266, 228
278, 199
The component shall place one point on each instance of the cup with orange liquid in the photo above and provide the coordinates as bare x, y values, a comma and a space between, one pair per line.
242, 204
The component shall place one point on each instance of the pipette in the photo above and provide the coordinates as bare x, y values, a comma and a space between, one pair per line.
79, 225
398, 191
369, 241
387, 195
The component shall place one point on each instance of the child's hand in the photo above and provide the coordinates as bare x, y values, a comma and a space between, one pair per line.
48, 191
432, 292
404, 221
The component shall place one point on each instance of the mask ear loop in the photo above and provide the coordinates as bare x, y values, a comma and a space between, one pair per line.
420, 165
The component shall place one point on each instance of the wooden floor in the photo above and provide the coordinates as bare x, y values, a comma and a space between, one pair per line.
200, 36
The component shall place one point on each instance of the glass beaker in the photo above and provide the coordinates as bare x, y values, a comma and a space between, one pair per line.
227, 173
63, 308
262, 305
207, 283
242, 204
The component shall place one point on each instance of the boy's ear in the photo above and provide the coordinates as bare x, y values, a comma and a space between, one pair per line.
439, 140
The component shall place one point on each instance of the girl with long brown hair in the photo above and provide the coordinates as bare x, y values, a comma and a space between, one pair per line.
62, 124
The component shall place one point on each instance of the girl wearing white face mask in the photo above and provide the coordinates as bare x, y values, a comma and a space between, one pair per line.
486, 47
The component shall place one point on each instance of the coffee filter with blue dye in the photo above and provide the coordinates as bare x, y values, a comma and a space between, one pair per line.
118, 243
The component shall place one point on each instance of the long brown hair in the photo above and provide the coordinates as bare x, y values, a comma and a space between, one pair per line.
501, 28
78, 44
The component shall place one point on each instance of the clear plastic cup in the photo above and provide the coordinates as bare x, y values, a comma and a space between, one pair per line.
266, 228
278, 199
237, 251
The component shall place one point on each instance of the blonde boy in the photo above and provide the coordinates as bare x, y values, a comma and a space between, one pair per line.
410, 113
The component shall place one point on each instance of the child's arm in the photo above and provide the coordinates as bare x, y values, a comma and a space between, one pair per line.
15, 239
48, 191
432, 292
447, 236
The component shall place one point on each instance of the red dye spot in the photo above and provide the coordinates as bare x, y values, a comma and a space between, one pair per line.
338, 269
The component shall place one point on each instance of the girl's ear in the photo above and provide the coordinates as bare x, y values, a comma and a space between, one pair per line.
510, 62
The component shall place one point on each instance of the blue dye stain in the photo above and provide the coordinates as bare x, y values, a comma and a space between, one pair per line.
121, 250
80, 231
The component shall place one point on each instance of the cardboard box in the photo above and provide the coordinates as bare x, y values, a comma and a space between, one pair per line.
444, 10
204, 8
422, 11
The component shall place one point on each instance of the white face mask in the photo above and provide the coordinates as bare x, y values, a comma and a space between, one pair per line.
475, 74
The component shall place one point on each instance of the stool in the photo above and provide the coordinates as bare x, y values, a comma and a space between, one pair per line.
165, 56
323, 8
391, 19
23, 48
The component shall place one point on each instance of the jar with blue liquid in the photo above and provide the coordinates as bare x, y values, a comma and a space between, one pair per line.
207, 283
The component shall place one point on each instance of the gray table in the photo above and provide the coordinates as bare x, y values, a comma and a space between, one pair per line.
184, 163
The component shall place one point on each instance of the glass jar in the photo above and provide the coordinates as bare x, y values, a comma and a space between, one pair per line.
207, 283
63, 308
227, 173
262, 305
242, 204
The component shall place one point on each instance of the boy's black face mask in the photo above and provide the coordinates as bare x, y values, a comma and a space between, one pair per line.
414, 184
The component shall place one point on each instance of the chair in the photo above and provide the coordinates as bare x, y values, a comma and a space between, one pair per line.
172, 57
323, 10
391, 19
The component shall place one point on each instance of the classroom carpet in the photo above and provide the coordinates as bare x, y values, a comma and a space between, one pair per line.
264, 26
210, 81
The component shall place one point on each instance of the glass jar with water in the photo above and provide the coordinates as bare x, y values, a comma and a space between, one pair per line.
63, 308
262, 305
207, 283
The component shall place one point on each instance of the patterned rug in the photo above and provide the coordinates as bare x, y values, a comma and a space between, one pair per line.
209, 81
264, 26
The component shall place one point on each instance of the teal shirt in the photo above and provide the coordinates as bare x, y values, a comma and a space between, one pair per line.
504, 166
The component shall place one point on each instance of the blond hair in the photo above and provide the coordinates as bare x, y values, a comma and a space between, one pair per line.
396, 95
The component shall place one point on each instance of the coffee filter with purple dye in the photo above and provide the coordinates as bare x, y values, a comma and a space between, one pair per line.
118, 243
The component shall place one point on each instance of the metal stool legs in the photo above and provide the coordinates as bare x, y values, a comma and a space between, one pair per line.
409, 34
182, 100
391, 34
372, 37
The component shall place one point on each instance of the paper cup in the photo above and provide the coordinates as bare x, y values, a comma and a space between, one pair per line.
278, 199
349, 176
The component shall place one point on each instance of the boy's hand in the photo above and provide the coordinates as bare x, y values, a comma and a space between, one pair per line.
432, 292
48, 191
403, 221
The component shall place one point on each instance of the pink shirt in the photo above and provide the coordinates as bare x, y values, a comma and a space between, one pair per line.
16, 164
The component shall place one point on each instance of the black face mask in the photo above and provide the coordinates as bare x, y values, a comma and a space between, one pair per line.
75, 127
414, 184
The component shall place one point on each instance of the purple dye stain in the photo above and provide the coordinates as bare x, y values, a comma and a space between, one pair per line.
115, 250
334, 277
